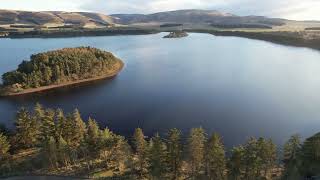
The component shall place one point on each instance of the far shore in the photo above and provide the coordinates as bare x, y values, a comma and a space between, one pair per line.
119, 67
309, 39
76, 33
287, 38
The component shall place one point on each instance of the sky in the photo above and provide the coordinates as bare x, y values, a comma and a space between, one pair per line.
290, 9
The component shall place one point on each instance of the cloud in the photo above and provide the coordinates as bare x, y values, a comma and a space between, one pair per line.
41, 5
148, 6
292, 9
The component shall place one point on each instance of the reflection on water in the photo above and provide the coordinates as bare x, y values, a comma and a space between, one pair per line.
235, 86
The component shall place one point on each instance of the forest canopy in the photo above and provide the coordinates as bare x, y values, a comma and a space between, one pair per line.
60, 66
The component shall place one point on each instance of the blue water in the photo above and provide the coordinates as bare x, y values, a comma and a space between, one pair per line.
234, 86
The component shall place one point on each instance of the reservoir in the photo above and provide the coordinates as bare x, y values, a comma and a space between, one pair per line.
235, 86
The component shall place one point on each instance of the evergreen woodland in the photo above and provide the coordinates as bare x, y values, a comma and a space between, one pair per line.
48, 141
59, 66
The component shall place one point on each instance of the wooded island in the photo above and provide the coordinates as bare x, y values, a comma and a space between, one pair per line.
60, 68
176, 34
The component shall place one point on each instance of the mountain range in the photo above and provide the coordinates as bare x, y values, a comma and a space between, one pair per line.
180, 16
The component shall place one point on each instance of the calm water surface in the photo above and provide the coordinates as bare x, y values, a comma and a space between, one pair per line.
235, 86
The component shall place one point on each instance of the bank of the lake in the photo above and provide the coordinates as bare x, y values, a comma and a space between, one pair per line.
76, 33
307, 39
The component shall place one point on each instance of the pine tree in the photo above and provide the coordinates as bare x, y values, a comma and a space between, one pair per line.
26, 135
4, 151
107, 140
78, 129
4, 146
56, 75
291, 158
68, 129
174, 153
235, 164
50, 152
196, 147
92, 138
92, 145
267, 155
47, 75
61, 124
251, 159
39, 112
310, 156
215, 158
140, 147
75, 136
47, 128
119, 159
157, 157
38, 116
63, 152
259, 157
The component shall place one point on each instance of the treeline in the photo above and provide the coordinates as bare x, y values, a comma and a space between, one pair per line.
47, 141
170, 25
59, 66
299, 39
79, 32
232, 26
313, 28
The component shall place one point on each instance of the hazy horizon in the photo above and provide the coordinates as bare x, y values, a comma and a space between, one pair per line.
288, 9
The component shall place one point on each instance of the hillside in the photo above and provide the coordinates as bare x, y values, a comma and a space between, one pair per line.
11, 20
54, 18
23, 24
9, 17
196, 16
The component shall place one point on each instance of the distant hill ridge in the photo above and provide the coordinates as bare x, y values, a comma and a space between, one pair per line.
191, 16
53, 17
196, 16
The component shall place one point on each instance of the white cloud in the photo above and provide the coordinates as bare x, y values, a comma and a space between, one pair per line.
41, 5
292, 9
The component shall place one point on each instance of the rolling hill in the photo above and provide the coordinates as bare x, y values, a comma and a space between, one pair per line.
53, 18
197, 16
11, 20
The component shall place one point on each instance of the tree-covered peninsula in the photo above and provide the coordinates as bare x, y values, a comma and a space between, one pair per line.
59, 68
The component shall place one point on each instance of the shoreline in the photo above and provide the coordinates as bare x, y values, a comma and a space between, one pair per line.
278, 37
76, 33
296, 39
120, 65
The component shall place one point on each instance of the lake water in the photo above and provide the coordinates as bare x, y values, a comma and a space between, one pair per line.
234, 86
